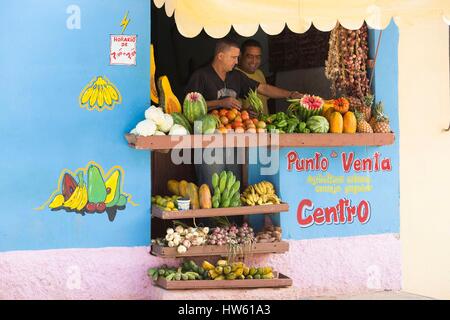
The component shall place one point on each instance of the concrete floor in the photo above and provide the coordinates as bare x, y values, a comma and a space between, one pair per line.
377, 295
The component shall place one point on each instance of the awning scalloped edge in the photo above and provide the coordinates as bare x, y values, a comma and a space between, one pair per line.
217, 17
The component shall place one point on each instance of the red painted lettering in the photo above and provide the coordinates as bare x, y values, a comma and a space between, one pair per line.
292, 158
304, 205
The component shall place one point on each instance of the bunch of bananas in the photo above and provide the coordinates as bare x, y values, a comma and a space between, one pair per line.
236, 271
260, 194
98, 93
77, 200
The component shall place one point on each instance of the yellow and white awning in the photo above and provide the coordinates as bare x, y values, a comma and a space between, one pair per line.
217, 16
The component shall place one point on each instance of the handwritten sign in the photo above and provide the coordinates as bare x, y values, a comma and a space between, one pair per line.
123, 50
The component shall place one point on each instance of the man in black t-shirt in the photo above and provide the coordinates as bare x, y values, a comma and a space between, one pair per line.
221, 86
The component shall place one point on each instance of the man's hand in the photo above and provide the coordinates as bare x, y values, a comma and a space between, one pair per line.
230, 103
295, 95
252, 113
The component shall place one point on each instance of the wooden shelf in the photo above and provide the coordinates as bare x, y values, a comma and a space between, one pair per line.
215, 250
259, 140
219, 212
280, 281
241, 140
335, 140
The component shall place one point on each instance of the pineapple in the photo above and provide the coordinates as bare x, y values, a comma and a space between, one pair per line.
367, 106
363, 126
380, 120
362, 105
355, 103
377, 110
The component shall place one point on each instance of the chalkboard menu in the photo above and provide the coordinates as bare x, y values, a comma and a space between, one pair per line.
289, 50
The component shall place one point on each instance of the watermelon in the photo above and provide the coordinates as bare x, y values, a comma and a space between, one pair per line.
318, 124
206, 124
179, 118
194, 106
306, 107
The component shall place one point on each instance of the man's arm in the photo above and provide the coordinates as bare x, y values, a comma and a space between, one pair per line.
223, 103
277, 93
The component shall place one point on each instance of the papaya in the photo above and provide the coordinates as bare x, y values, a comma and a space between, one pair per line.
173, 186
69, 184
349, 122
153, 90
182, 188
192, 193
336, 122
168, 100
327, 114
112, 185
204, 197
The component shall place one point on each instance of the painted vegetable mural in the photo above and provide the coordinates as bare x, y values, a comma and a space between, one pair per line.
87, 191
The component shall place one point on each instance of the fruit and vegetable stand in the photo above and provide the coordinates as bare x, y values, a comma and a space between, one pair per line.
351, 120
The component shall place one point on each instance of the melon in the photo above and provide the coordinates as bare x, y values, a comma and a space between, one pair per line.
194, 106
317, 124
179, 118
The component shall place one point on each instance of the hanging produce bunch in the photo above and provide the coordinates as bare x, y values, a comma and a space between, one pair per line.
347, 60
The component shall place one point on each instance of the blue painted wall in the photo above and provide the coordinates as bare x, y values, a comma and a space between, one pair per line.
44, 66
384, 197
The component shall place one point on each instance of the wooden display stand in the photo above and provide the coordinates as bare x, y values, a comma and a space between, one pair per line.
162, 169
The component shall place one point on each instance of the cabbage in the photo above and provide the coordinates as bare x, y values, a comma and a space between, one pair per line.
146, 128
167, 124
155, 114
178, 130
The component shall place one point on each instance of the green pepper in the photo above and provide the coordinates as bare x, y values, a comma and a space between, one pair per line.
282, 124
272, 118
271, 127
301, 127
291, 128
281, 116
293, 121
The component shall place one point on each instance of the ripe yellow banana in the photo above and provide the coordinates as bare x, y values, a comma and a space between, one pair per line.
74, 199
107, 96
94, 95
86, 95
258, 190
112, 92
100, 97
84, 198
57, 202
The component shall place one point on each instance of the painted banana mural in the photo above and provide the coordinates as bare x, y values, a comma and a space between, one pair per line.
100, 94
90, 192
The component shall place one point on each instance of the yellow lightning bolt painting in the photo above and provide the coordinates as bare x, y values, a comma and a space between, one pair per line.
124, 22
